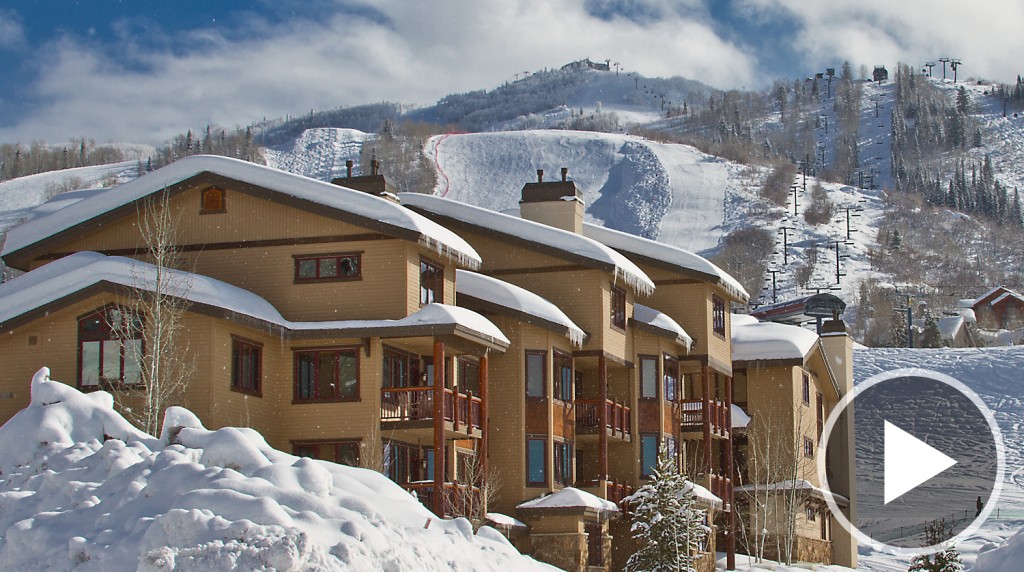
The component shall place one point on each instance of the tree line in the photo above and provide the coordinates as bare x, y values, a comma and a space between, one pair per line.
17, 160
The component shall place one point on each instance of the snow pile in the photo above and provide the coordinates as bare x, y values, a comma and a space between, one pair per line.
80, 488
1006, 558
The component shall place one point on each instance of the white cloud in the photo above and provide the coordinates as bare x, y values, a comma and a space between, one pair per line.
12, 34
425, 51
984, 34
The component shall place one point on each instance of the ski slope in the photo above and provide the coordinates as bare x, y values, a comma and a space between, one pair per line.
318, 153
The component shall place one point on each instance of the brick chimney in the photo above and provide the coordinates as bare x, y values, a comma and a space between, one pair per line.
554, 203
373, 184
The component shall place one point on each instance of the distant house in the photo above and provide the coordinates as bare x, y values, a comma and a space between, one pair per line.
999, 308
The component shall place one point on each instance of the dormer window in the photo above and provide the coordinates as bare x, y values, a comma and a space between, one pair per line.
212, 201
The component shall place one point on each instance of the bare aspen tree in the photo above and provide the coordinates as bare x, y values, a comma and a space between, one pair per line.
474, 492
155, 307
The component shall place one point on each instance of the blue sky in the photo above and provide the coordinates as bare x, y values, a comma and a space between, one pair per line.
143, 70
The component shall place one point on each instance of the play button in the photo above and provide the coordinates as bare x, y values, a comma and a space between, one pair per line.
926, 449
909, 462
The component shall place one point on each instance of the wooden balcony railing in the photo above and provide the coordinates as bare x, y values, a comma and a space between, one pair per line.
417, 403
692, 414
459, 499
614, 491
619, 417
719, 485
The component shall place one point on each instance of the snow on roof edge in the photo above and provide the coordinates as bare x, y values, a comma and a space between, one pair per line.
570, 242
365, 205
660, 320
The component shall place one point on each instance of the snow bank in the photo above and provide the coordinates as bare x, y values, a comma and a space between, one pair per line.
81, 489
1006, 558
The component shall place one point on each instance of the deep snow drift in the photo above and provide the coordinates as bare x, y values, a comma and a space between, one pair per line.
80, 488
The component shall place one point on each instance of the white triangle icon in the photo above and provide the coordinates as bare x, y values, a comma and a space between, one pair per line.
909, 462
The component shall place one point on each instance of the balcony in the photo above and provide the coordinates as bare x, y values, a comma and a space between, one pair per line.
692, 413
619, 419
413, 407
719, 485
614, 491
459, 499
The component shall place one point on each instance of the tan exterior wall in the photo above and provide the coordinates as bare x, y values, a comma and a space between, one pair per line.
691, 306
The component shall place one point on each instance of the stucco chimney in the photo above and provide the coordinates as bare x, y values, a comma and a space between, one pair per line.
373, 184
348, 168
555, 203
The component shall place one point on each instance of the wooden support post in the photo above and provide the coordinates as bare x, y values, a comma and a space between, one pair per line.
439, 453
602, 421
484, 404
706, 406
730, 475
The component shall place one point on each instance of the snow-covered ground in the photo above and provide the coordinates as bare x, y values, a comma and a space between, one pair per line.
319, 153
82, 489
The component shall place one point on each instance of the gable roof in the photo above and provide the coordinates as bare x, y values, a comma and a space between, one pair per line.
1005, 296
509, 298
667, 256
318, 196
544, 238
62, 280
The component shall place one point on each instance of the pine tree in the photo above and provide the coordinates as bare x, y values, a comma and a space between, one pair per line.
669, 529
947, 560
932, 336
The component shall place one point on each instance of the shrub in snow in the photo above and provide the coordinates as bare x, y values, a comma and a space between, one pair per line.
947, 560
670, 531
82, 489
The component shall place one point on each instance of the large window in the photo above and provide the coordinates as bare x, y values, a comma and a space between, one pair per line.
618, 308
401, 369
648, 377
246, 366
405, 463
431, 283
563, 463
327, 375
328, 267
536, 373
671, 378
648, 455
718, 315
536, 462
341, 452
110, 348
563, 376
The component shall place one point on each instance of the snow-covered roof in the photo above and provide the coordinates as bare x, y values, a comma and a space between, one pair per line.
216, 500
739, 416
661, 321
800, 484
1005, 295
536, 233
520, 300
950, 326
968, 315
703, 494
770, 341
504, 520
665, 253
71, 274
570, 497
363, 205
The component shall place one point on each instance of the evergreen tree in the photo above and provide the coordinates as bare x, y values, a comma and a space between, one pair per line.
947, 560
932, 337
669, 529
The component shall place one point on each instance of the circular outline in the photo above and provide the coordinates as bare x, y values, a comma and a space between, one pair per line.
934, 376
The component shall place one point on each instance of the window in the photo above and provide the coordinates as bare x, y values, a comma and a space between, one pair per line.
404, 463
648, 455
618, 309
563, 463
671, 447
469, 375
212, 201
401, 369
811, 514
328, 267
671, 378
431, 283
648, 377
536, 462
536, 373
806, 391
718, 315
246, 365
808, 448
109, 348
821, 414
341, 452
327, 375
563, 376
